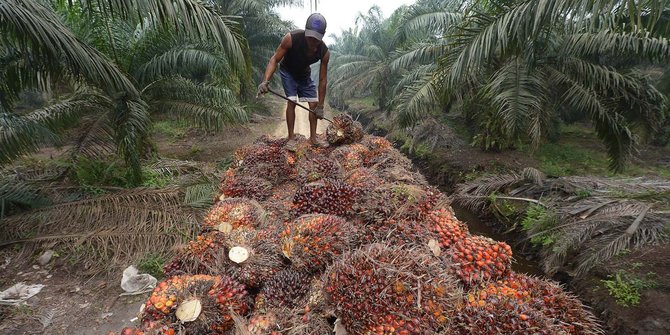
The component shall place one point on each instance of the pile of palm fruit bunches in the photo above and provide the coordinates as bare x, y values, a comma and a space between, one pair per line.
346, 237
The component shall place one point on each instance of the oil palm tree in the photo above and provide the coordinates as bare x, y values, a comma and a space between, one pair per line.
515, 66
37, 47
361, 58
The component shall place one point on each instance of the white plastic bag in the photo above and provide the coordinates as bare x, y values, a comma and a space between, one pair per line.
134, 283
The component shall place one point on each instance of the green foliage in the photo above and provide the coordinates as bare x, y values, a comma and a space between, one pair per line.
153, 178
173, 129
625, 288
514, 69
97, 172
152, 263
560, 160
539, 218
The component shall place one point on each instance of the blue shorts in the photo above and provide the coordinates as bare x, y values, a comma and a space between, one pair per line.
294, 89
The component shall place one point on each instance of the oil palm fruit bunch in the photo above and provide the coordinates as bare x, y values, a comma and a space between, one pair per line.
273, 163
404, 232
382, 289
279, 204
265, 323
363, 179
449, 229
499, 315
478, 258
376, 144
198, 304
286, 289
385, 159
284, 321
270, 141
557, 304
316, 167
200, 256
233, 213
312, 242
344, 130
326, 196
399, 202
129, 331
251, 256
349, 156
235, 185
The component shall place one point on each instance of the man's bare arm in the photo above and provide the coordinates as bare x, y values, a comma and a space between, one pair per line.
323, 78
279, 54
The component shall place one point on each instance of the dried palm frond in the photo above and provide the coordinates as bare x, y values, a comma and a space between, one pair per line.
112, 228
591, 219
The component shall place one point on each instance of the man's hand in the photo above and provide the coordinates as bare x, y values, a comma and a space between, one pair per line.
319, 112
263, 88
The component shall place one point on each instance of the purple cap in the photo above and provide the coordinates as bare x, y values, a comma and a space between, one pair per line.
316, 26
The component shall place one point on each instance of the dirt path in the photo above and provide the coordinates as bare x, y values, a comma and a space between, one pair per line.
301, 121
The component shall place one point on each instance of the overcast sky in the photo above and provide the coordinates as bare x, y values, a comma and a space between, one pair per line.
339, 14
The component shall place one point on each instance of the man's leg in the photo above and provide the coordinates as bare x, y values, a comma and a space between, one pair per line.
312, 123
290, 119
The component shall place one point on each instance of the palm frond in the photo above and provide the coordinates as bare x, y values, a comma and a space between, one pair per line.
428, 23
16, 192
200, 195
197, 19
22, 134
31, 24
207, 106
419, 53
114, 228
418, 99
519, 96
130, 122
608, 42
610, 125
579, 232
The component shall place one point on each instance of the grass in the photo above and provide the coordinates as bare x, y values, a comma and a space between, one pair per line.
152, 263
579, 152
172, 129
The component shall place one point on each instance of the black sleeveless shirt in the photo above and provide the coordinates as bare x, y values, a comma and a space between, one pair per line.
296, 61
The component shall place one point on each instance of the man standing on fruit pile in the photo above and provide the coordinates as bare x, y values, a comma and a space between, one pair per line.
297, 51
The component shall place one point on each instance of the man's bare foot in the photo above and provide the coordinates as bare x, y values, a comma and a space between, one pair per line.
316, 143
291, 144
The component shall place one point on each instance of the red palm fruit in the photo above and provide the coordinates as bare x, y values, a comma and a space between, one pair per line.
378, 287
198, 256
450, 230
363, 179
234, 185
252, 256
398, 202
279, 204
376, 144
286, 289
313, 168
284, 321
267, 140
312, 242
326, 196
344, 130
233, 213
557, 304
216, 298
499, 315
350, 156
478, 258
